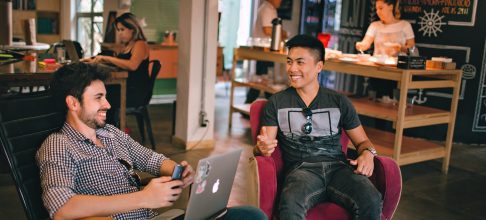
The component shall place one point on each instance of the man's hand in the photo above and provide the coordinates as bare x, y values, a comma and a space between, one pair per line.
161, 192
265, 145
364, 163
187, 175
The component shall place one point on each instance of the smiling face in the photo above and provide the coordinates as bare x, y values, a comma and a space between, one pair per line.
303, 68
94, 105
384, 11
124, 34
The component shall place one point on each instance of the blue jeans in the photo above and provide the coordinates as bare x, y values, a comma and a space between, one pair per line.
244, 212
311, 183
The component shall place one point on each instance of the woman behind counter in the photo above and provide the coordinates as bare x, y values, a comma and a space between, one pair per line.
134, 57
390, 34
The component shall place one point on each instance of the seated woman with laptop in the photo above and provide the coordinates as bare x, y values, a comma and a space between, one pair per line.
134, 57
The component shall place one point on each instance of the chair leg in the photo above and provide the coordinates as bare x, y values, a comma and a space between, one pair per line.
149, 126
141, 128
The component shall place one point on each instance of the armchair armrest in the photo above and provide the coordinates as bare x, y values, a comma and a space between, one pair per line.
267, 178
388, 180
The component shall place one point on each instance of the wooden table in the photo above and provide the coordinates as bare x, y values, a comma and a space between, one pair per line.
405, 150
29, 73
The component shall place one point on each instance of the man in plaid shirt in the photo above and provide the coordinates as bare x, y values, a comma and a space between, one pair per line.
87, 166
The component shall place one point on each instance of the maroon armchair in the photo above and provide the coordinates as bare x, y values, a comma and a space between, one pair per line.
386, 177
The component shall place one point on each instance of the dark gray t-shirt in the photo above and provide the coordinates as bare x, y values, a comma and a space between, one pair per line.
331, 112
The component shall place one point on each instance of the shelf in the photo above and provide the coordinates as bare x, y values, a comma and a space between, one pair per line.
260, 54
48, 5
48, 19
413, 149
273, 88
415, 116
48, 22
395, 74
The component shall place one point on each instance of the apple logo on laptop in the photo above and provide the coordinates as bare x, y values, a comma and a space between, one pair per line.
216, 186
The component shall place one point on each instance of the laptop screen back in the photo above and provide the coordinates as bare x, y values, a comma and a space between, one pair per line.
212, 185
71, 50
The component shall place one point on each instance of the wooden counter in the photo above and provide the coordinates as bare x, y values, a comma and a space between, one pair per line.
168, 56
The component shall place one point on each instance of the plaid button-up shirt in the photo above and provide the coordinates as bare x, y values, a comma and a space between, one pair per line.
71, 164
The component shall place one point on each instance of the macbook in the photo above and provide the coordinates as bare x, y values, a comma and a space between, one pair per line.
212, 186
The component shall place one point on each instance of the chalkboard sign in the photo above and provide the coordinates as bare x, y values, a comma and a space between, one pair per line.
479, 123
432, 14
285, 10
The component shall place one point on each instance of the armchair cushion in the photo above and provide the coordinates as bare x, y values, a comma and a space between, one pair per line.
267, 174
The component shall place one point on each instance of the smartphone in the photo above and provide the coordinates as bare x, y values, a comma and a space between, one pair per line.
177, 173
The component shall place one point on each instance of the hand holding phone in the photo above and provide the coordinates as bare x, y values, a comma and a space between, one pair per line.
177, 173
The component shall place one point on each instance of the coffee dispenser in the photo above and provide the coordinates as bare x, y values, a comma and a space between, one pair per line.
276, 34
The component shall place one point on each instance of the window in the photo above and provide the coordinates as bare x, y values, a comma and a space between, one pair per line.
89, 25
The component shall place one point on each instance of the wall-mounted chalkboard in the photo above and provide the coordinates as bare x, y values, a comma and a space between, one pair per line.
479, 122
432, 14
285, 10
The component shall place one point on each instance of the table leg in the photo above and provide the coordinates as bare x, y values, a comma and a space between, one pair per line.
123, 104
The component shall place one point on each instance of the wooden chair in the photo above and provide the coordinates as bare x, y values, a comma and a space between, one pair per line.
141, 112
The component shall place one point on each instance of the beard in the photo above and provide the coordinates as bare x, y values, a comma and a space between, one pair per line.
91, 120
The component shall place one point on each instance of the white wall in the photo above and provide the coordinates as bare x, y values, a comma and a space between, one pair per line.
195, 72
68, 22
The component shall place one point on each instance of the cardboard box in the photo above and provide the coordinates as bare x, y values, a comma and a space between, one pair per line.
432, 64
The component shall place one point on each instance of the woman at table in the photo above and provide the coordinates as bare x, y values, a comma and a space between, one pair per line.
134, 57
390, 35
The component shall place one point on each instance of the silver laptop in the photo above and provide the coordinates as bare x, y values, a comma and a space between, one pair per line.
212, 186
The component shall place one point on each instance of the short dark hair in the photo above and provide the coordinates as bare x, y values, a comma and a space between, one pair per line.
72, 79
309, 42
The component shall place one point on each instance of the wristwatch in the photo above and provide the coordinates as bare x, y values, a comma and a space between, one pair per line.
372, 150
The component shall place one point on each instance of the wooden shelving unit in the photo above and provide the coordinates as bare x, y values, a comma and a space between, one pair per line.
48, 19
405, 150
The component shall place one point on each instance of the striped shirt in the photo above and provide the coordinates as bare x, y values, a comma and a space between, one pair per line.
71, 164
